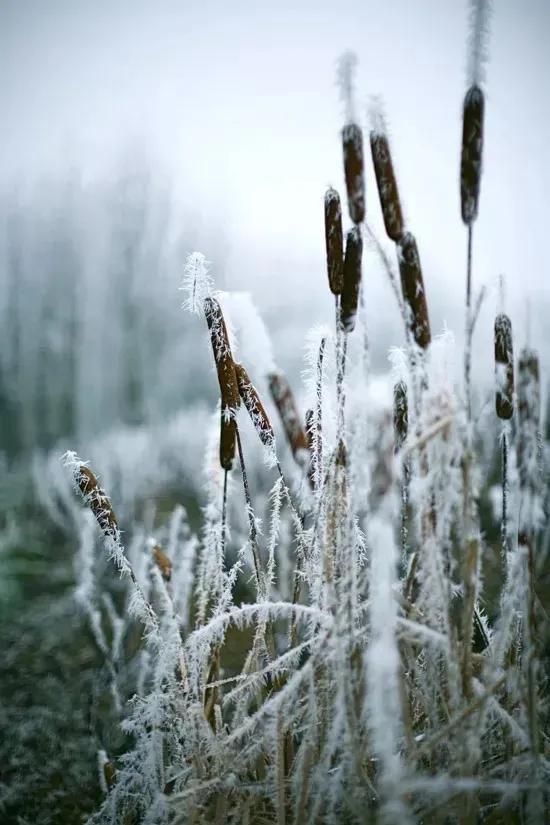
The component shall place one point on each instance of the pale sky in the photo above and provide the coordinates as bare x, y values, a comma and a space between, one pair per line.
237, 101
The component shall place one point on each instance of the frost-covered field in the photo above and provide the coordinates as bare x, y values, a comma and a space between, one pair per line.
323, 603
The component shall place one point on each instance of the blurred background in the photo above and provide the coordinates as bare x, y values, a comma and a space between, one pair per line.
136, 132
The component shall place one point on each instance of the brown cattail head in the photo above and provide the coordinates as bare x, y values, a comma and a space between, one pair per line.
334, 241
400, 414
504, 367
288, 411
529, 418
387, 185
254, 407
163, 563
352, 279
412, 285
228, 438
472, 148
227, 379
352, 142
97, 500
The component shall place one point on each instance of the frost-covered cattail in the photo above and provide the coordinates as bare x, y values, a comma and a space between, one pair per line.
400, 414
254, 407
412, 285
227, 379
504, 367
529, 418
385, 176
96, 499
472, 147
285, 402
352, 144
352, 279
473, 111
228, 439
334, 241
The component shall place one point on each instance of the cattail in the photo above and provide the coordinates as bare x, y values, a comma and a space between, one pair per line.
400, 414
227, 379
163, 563
97, 500
412, 285
288, 411
334, 241
228, 439
352, 278
254, 406
352, 141
472, 147
387, 185
504, 367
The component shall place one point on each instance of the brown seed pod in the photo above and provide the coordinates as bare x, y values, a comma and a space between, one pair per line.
163, 563
288, 411
222, 354
228, 439
254, 407
412, 285
334, 241
400, 414
472, 148
387, 185
504, 367
97, 500
352, 142
352, 279
227, 379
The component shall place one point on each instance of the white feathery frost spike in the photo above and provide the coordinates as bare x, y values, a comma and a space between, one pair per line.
197, 282
478, 47
377, 115
345, 79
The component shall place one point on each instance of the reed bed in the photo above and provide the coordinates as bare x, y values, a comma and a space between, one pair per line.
320, 653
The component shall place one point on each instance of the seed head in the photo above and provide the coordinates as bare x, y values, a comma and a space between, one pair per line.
412, 285
472, 147
504, 367
334, 241
387, 185
352, 142
352, 279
